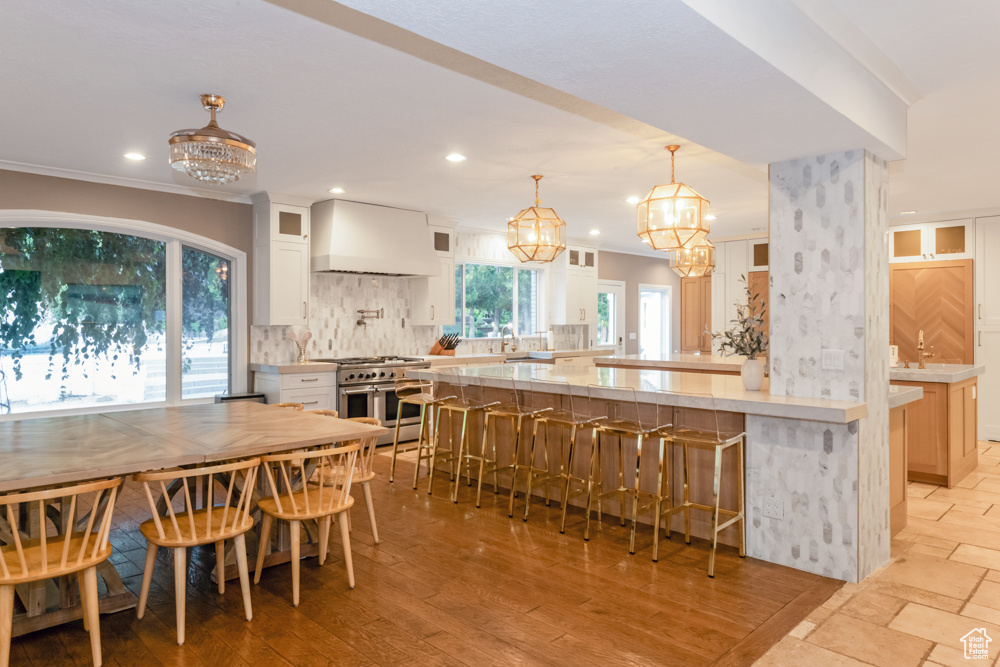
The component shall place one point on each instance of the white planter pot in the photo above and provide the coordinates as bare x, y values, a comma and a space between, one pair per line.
752, 374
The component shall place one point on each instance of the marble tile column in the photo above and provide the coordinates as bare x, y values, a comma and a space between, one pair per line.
829, 291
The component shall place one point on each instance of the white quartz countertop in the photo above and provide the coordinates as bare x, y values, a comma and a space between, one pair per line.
902, 395
461, 359
944, 373
673, 361
561, 354
308, 367
692, 390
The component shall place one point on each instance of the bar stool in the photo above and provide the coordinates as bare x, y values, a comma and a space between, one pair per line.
410, 391
292, 406
619, 427
572, 419
325, 413
707, 435
517, 411
80, 550
470, 402
211, 524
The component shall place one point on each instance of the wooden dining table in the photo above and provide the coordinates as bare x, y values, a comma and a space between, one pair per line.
76, 448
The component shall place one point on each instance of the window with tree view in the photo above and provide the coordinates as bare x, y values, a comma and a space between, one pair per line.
86, 319
490, 296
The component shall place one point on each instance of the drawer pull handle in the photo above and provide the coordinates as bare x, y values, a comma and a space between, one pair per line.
310, 380
309, 402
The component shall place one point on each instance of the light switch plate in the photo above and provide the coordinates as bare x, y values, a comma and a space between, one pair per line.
631, 336
833, 360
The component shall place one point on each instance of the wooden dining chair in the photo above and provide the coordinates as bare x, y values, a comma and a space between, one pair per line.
189, 527
292, 406
78, 548
294, 501
364, 469
325, 413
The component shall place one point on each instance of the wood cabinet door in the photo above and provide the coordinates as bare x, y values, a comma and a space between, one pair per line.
696, 313
935, 297
928, 442
898, 432
963, 455
759, 283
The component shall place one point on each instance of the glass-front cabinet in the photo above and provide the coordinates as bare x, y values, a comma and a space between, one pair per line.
932, 241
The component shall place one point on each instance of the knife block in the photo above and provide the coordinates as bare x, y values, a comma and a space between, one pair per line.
440, 351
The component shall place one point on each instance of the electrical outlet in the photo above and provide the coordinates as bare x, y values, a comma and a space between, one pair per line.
833, 360
631, 335
774, 507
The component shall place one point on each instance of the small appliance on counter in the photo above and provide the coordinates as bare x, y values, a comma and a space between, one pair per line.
445, 346
893, 356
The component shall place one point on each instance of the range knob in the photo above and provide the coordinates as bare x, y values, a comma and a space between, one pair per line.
368, 376
382, 374
351, 376
392, 374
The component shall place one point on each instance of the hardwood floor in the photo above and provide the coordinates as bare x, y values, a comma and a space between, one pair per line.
453, 585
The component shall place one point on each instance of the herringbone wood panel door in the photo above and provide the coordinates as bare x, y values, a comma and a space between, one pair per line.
936, 297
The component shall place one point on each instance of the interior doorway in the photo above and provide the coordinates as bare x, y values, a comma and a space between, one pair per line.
654, 320
611, 315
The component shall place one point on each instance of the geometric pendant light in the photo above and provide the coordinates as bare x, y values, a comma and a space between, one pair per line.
673, 216
694, 262
211, 154
536, 234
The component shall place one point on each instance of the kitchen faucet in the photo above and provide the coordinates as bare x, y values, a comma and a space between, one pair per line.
503, 337
921, 355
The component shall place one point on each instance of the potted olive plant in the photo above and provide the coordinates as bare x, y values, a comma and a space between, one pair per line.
747, 338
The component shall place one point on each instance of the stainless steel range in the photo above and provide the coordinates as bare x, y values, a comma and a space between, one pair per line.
365, 388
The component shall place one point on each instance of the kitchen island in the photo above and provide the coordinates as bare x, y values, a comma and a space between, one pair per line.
689, 363
942, 445
683, 397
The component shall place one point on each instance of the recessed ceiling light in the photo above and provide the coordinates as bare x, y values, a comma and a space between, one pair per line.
336, 191
710, 217
907, 212
455, 157
595, 232
632, 200
135, 156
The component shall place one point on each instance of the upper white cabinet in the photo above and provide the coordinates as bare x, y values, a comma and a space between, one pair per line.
281, 261
732, 260
574, 286
932, 241
434, 296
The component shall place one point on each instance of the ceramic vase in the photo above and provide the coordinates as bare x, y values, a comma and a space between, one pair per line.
752, 374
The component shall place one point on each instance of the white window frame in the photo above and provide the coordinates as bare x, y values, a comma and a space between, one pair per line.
540, 304
174, 239
616, 287
668, 293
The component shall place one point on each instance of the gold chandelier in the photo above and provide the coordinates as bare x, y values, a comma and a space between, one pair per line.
211, 154
536, 234
694, 262
672, 217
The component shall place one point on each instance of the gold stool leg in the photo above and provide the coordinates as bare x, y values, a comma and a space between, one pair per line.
687, 498
423, 443
482, 459
516, 424
743, 516
715, 510
621, 478
434, 449
635, 495
657, 504
531, 468
595, 469
461, 454
668, 453
395, 446
566, 474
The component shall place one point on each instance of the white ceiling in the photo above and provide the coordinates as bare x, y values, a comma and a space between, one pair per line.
334, 96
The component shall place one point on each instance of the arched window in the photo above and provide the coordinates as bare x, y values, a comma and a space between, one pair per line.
99, 313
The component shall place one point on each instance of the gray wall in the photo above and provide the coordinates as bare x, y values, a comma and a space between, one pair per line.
636, 270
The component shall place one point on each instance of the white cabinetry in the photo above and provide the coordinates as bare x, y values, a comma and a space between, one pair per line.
987, 320
313, 390
932, 241
757, 255
732, 260
574, 287
281, 261
433, 297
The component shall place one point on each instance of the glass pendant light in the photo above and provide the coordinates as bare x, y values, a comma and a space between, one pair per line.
536, 234
694, 262
211, 154
673, 216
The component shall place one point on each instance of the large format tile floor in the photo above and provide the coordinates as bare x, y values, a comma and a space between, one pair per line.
943, 581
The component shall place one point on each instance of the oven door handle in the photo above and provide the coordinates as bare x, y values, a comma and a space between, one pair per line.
350, 392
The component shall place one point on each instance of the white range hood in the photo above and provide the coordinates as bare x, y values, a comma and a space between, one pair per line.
352, 237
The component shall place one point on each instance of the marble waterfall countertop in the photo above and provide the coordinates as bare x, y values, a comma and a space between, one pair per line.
902, 395
944, 373
696, 362
692, 390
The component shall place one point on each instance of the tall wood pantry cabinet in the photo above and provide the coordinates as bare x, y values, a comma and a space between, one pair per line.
696, 314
